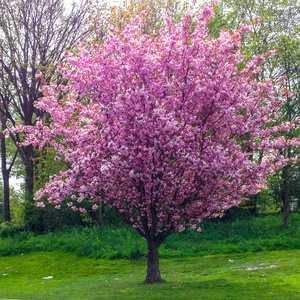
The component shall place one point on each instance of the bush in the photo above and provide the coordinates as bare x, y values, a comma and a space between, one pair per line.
10, 231
49, 219
264, 233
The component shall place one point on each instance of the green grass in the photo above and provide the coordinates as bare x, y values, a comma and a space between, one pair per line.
110, 263
252, 234
206, 277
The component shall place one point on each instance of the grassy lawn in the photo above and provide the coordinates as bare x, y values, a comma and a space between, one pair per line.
261, 275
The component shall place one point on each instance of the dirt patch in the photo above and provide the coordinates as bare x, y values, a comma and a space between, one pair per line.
253, 268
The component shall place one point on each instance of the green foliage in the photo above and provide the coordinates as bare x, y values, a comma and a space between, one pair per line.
49, 219
10, 230
217, 22
41, 220
278, 28
46, 166
245, 234
16, 207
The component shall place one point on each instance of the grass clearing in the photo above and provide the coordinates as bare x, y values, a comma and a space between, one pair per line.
261, 275
228, 260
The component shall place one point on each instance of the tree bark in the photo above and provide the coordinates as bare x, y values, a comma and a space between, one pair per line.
286, 195
5, 174
29, 172
7, 217
100, 215
153, 273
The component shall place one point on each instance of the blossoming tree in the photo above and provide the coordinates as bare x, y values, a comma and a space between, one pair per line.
164, 128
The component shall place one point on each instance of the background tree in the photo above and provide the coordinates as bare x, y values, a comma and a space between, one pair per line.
16, 211
6, 168
278, 28
33, 35
171, 132
104, 17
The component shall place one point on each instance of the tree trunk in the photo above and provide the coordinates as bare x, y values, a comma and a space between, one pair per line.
153, 274
7, 218
100, 215
5, 174
286, 195
29, 172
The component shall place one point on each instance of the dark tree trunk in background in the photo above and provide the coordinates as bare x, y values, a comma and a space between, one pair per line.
7, 218
286, 195
29, 171
5, 171
5, 176
100, 215
153, 273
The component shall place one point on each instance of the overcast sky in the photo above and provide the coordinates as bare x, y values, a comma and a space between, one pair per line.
68, 3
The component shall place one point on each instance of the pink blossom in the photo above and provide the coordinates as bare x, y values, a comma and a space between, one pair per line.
293, 142
246, 28
181, 228
95, 207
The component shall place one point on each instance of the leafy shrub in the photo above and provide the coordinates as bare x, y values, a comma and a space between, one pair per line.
10, 231
250, 234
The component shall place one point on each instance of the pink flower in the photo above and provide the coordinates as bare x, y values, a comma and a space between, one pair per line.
246, 28
95, 207
293, 142
57, 158
181, 228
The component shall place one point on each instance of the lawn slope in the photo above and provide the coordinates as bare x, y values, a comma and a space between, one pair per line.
261, 275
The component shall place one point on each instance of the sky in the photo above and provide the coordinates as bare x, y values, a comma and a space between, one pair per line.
68, 3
